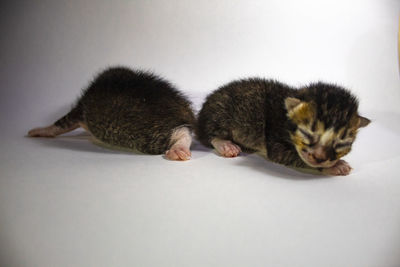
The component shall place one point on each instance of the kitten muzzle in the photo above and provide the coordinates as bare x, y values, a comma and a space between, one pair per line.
318, 158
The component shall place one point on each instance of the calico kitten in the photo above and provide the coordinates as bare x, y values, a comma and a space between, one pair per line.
131, 109
312, 127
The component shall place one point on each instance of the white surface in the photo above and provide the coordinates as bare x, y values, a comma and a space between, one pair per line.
67, 202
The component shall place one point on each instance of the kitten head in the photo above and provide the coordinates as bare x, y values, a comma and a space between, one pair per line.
325, 123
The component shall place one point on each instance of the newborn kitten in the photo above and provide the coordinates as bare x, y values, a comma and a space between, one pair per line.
312, 127
131, 109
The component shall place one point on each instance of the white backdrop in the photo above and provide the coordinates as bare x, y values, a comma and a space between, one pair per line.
66, 202
51, 49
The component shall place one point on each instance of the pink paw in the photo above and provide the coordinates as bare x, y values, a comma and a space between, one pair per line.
340, 168
178, 152
226, 148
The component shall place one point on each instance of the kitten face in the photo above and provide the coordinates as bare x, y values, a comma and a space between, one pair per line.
320, 145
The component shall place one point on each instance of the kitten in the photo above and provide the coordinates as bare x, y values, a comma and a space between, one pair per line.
131, 109
312, 127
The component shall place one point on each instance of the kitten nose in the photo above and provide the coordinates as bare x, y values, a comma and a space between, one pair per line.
318, 160
319, 154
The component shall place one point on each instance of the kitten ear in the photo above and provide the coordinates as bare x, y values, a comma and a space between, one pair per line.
291, 103
363, 121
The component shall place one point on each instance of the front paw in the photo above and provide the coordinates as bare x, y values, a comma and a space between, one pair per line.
340, 168
226, 148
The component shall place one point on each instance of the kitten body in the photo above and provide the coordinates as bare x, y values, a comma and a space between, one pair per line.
311, 127
131, 109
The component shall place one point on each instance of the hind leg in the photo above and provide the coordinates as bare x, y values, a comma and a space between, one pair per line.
181, 140
51, 131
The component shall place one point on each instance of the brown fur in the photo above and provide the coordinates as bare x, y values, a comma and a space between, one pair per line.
128, 109
312, 127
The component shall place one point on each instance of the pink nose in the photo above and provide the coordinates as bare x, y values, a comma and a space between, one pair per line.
320, 154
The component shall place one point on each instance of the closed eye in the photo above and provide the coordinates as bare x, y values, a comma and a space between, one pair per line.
343, 145
308, 136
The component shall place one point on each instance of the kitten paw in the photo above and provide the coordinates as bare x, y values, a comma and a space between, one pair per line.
178, 152
226, 148
340, 168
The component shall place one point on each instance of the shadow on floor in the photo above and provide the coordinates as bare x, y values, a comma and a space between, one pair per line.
258, 163
80, 141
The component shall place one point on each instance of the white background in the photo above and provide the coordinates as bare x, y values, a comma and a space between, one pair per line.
67, 202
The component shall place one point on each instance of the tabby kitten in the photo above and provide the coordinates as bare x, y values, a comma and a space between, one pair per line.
312, 127
131, 109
